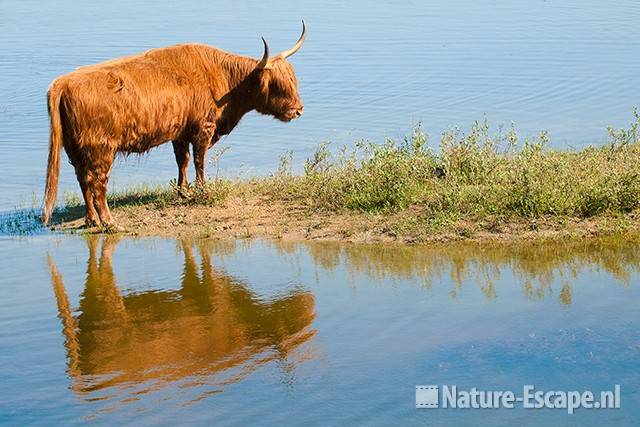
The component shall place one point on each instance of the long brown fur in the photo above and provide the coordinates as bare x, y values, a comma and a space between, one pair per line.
187, 94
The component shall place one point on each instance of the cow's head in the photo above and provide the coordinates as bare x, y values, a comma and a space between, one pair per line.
278, 83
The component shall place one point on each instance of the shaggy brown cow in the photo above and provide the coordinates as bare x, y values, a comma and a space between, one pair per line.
188, 93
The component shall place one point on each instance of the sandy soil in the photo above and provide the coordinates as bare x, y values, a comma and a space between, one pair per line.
243, 217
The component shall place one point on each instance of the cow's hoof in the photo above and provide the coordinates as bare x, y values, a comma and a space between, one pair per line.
91, 223
112, 228
184, 193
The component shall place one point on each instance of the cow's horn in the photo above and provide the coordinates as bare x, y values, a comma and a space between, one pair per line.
298, 45
265, 58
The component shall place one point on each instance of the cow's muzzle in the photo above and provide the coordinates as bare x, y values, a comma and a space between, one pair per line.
294, 113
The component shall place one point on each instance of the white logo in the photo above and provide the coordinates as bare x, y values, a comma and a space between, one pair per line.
428, 396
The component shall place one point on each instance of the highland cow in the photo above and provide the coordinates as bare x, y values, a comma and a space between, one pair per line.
187, 94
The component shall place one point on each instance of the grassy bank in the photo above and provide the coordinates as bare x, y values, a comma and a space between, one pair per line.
475, 185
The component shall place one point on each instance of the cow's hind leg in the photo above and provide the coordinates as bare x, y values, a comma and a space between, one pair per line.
181, 151
98, 169
91, 219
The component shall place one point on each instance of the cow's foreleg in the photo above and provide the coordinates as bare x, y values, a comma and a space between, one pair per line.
199, 157
181, 151
201, 142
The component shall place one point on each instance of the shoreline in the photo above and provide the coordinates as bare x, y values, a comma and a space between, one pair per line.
247, 217
478, 187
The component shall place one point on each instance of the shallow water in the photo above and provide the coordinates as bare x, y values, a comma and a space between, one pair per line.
257, 332
366, 71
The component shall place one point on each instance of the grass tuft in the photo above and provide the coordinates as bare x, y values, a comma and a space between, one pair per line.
477, 174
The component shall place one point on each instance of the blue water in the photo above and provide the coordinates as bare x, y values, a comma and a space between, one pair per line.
163, 331
366, 71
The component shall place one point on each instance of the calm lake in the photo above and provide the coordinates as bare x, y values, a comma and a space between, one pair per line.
255, 332
200, 332
366, 71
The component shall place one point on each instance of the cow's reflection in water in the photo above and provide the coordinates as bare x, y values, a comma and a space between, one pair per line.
212, 331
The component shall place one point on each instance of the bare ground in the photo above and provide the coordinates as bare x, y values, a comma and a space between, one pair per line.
255, 216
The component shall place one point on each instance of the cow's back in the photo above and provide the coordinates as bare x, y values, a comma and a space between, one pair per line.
139, 101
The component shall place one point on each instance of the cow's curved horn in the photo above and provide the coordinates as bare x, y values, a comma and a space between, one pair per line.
298, 45
265, 57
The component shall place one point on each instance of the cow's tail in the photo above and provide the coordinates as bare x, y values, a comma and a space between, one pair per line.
55, 145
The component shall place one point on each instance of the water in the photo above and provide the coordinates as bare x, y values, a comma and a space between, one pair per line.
572, 67
256, 332
264, 333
